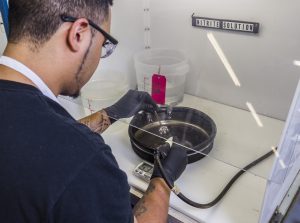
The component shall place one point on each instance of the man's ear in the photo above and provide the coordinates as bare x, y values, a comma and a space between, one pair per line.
78, 34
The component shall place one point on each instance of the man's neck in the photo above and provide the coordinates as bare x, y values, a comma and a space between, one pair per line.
9, 74
33, 60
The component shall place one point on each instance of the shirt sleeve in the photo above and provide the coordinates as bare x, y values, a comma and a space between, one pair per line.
98, 193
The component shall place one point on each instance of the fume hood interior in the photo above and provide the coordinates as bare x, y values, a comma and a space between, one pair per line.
245, 82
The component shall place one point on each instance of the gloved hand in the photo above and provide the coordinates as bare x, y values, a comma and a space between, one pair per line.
130, 104
174, 161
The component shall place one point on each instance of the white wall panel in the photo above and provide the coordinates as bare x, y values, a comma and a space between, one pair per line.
3, 40
263, 63
128, 29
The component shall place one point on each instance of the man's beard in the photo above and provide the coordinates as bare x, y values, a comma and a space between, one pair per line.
78, 83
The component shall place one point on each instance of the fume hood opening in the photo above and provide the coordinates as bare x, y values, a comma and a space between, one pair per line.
244, 81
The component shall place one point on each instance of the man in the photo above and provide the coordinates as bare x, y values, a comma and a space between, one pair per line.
53, 168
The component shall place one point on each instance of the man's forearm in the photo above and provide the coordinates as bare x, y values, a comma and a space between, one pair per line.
97, 122
154, 205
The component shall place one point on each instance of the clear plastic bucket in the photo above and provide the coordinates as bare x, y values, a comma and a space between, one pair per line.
168, 62
104, 89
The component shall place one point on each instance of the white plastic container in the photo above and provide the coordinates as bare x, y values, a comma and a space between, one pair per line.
168, 62
104, 89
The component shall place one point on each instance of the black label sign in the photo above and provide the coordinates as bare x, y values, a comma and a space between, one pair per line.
232, 25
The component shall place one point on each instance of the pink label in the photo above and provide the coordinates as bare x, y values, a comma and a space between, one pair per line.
159, 88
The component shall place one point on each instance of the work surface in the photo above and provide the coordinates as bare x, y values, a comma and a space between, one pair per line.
239, 141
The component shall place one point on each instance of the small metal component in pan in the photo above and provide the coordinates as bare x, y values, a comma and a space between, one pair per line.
163, 130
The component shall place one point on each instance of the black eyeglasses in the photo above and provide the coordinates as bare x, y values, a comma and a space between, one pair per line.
109, 44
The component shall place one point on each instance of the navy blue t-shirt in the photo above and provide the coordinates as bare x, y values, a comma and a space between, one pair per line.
52, 168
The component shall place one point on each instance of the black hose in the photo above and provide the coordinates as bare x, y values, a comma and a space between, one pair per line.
224, 191
161, 168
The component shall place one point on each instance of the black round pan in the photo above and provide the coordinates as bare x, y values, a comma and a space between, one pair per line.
191, 128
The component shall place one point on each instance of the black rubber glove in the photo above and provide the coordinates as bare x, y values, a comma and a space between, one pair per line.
174, 161
130, 104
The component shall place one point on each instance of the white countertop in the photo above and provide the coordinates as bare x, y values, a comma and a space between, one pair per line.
239, 141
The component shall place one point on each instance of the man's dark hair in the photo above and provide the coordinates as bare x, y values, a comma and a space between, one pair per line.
37, 20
